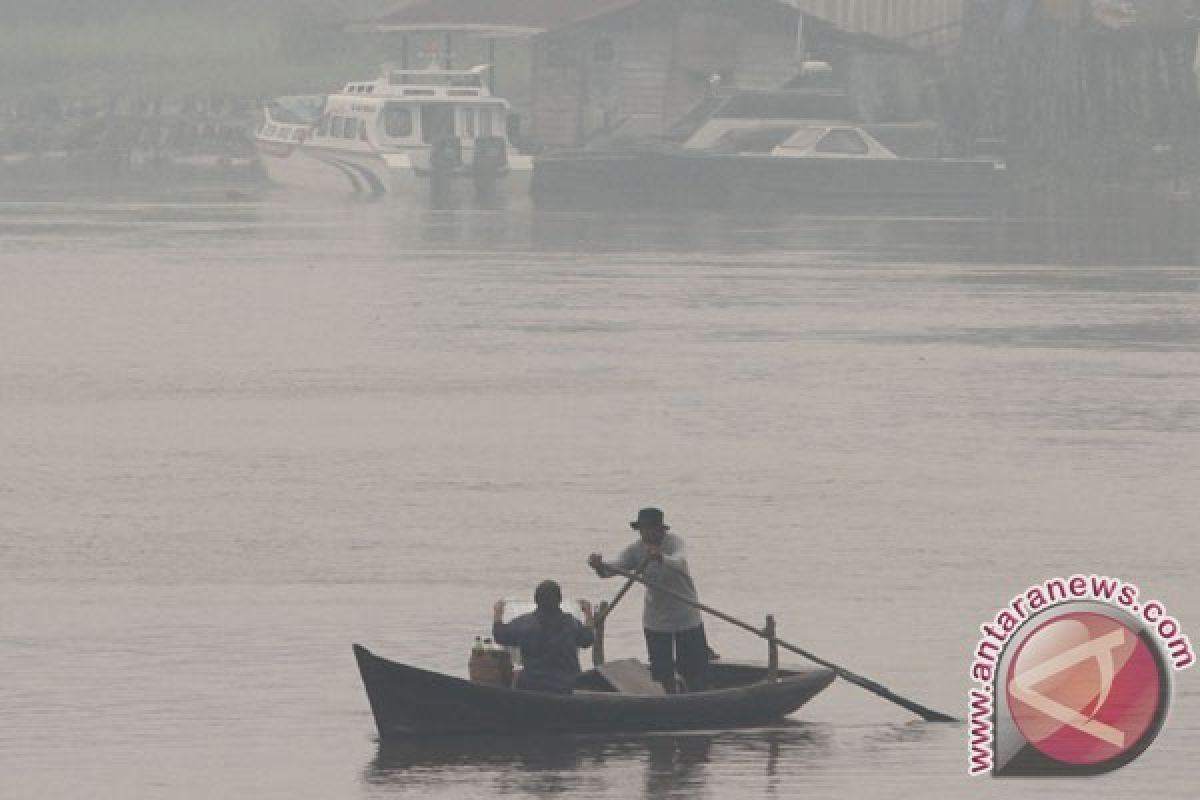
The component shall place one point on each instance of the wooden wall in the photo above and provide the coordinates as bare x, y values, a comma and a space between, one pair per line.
555, 95
766, 60
642, 73
643, 62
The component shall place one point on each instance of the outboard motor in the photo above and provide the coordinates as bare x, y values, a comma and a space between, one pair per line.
491, 159
445, 157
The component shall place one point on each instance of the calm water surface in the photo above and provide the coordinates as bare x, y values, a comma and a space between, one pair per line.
239, 435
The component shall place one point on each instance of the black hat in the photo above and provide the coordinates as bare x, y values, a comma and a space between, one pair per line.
651, 518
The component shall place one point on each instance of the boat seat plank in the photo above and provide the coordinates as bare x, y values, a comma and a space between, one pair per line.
630, 676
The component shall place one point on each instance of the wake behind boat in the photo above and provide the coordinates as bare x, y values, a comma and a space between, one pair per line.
431, 134
615, 697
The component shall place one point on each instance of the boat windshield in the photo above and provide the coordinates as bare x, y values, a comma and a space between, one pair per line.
298, 109
760, 139
804, 138
842, 141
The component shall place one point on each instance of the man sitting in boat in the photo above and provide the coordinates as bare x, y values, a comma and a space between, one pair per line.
674, 630
549, 639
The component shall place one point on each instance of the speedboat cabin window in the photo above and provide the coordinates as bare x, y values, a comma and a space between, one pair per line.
400, 77
437, 122
397, 122
842, 141
323, 128
468, 123
761, 139
804, 138
362, 130
485, 123
351, 129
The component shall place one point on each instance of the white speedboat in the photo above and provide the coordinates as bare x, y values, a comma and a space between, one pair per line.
432, 134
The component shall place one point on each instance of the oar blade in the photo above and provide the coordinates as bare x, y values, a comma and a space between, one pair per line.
924, 712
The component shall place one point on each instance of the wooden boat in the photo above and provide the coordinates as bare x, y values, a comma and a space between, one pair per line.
406, 700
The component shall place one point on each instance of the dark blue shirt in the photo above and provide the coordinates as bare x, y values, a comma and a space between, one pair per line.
549, 649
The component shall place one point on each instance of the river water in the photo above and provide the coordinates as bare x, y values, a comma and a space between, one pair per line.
239, 434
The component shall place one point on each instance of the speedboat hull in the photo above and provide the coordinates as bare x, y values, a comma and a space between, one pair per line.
365, 173
747, 181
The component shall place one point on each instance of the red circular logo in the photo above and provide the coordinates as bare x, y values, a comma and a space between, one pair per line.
1084, 689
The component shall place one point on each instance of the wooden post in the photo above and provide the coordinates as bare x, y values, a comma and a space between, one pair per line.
583, 86
772, 649
598, 621
492, 62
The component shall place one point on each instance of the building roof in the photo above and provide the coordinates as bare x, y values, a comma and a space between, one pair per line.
489, 17
494, 18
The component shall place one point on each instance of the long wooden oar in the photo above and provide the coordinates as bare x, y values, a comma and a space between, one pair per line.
927, 714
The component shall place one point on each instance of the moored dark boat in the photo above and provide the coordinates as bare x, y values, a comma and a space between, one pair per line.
682, 179
406, 700
783, 149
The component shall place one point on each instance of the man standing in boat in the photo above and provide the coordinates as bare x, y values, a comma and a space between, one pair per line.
674, 630
549, 639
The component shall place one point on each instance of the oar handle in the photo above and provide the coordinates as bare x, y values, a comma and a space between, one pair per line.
603, 613
926, 713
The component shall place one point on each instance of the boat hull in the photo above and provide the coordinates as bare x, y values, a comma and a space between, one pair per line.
291, 166
406, 701
339, 172
689, 180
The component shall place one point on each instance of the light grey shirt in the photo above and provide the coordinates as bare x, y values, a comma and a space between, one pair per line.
663, 613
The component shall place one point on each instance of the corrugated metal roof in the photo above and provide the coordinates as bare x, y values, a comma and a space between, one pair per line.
498, 16
922, 23
898, 20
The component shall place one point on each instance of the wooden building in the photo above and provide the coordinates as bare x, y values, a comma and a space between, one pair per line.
634, 68
640, 68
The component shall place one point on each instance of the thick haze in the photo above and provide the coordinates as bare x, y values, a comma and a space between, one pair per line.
80, 11
79, 48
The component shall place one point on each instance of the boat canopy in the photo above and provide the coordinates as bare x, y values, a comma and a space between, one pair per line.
433, 76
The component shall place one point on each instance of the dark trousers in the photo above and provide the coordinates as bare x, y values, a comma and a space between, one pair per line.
682, 651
